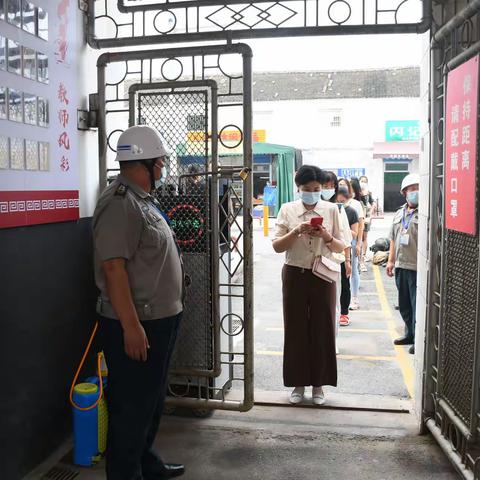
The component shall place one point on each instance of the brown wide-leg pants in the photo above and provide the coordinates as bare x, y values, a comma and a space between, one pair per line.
309, 356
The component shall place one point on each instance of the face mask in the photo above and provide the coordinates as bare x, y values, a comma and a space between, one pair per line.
162, 179
328, 193
309, 198
343, 191
412, 198
364, 185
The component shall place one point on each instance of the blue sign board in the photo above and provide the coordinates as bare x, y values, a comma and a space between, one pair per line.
350, 172
402, 130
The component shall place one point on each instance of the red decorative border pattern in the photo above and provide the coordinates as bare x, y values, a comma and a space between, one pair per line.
37, 207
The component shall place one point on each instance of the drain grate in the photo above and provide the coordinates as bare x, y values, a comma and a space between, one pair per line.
60, 473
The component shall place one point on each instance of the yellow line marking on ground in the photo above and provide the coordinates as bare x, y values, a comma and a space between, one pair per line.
347, 330
364, 330
401, 354
275, 353
368, 358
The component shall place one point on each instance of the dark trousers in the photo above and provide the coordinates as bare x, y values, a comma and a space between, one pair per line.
406, 281
309, 304
346, 295
135, 395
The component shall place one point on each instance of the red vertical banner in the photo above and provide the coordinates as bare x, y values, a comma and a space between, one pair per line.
461, 148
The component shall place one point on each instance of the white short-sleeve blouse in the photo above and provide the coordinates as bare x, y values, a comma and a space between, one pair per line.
306, 248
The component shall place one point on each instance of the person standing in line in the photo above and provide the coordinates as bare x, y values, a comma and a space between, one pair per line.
329, 194
345, 297
308, 301
139, 272
402, 258
356, 244
367, 200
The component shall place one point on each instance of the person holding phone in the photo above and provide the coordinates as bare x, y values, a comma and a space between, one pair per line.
305, 229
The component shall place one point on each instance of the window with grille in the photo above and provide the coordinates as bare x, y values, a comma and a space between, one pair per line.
336, 121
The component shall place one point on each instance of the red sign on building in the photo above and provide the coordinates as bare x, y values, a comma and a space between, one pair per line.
461, 148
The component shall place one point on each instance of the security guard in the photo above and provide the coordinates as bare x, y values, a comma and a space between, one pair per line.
403, 257
138, 270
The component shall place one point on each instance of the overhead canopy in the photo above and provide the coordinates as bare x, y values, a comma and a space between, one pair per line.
285, 169
287, 157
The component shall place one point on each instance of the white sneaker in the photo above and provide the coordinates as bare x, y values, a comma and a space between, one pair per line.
296, 396
318, 396
354, 305
363, 268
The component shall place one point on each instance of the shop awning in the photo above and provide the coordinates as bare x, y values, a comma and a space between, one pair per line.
396, 150
285, 166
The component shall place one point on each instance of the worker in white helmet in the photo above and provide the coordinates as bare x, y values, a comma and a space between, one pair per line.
139, 272
402, 259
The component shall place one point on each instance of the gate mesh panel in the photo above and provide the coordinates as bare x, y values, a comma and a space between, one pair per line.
459, 320
182, 119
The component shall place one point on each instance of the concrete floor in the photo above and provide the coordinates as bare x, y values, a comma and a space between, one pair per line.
367, 364
284, 443
281, 442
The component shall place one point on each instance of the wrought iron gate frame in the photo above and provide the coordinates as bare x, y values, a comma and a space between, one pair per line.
155, 87
239, 29
458, 439
215, 50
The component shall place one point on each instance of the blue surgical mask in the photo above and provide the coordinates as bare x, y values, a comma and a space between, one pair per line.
162, 179
328, 193
412, 198
309, 198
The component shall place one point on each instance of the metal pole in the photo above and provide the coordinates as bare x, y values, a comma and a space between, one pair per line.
215, 249
265, 220
247, 231
102, 129
433, 288
443, 285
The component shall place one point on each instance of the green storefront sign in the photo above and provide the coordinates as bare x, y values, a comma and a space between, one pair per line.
402, 130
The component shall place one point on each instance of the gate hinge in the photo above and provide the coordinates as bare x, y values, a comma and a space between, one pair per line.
83, 5
87, 119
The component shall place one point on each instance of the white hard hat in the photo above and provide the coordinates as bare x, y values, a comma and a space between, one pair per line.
141, 143
409, 180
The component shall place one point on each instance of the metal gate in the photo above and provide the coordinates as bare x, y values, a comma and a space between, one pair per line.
452, 362
187, 94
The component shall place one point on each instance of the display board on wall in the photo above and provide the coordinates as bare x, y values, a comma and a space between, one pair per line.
350, 172
461, 148
39, 181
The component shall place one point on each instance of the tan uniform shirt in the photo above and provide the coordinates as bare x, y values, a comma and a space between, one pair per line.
306, 248
404, 233
126, 224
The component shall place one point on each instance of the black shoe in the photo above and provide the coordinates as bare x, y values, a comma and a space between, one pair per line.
403, 341
412, 350
169, 470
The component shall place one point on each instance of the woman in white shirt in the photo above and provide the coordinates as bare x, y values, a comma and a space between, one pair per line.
308, 301
356, 244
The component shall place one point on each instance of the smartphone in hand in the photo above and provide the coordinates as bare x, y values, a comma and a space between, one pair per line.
316, 221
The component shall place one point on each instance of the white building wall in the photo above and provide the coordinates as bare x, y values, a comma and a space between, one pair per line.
306, 124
